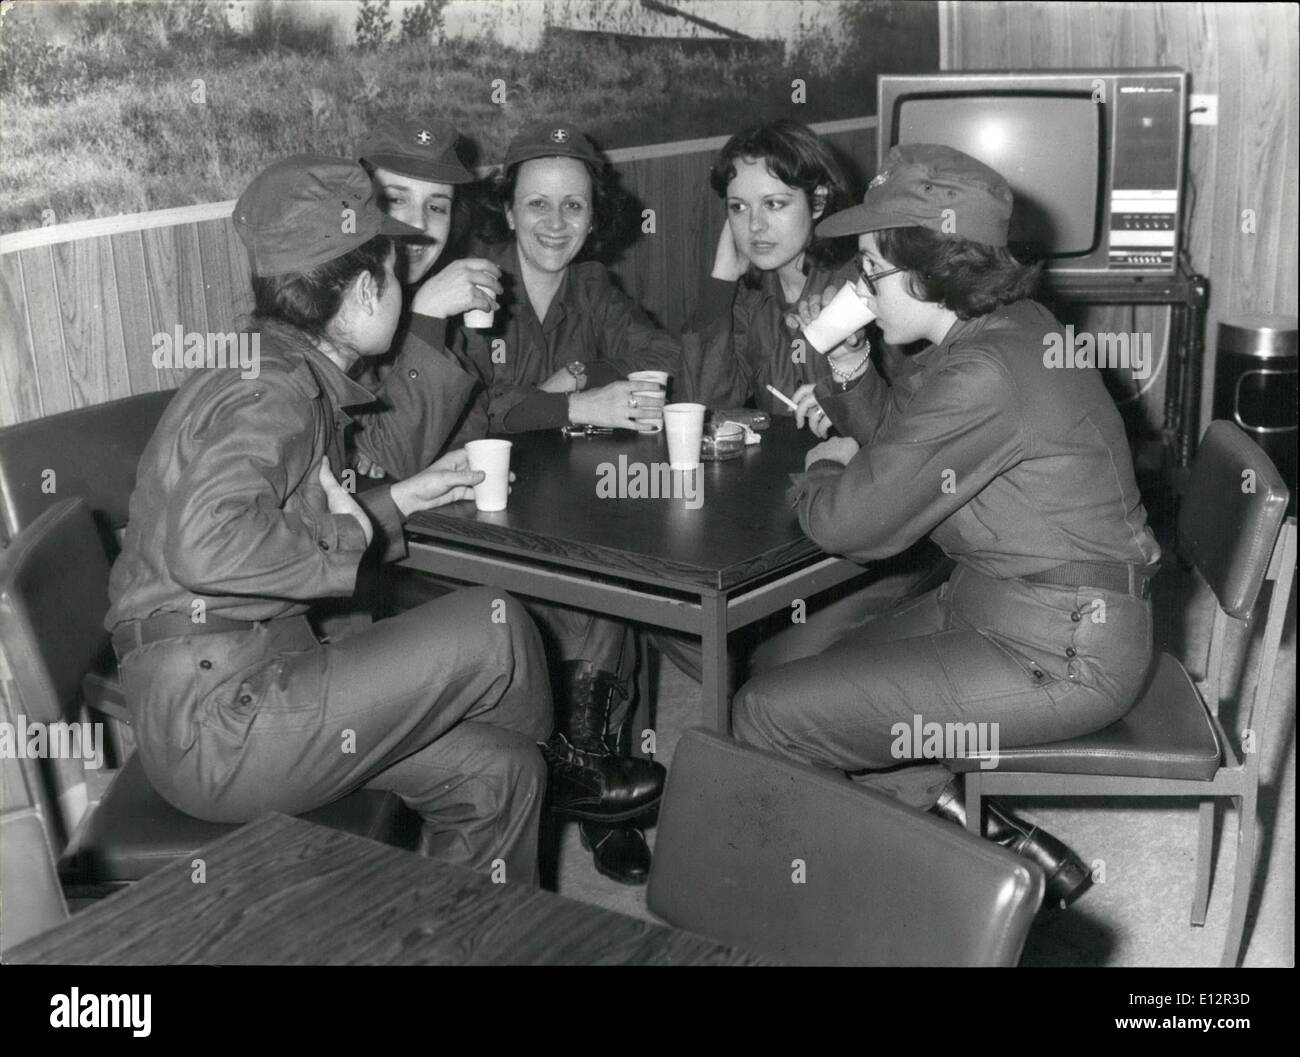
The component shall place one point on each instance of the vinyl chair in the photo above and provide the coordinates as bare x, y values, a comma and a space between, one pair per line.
803, 867
92, 453
53, 599
1233, 529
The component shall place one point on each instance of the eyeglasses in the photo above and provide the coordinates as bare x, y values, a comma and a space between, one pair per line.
870, 279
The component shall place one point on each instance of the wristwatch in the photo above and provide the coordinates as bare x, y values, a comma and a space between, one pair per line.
579, 371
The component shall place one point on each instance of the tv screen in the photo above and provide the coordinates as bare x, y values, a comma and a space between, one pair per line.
1047, 147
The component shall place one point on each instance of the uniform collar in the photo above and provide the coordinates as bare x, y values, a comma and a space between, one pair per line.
506, 256
314, 369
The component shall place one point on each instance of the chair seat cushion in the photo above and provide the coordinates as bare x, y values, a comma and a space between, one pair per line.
1168, 734
134, 831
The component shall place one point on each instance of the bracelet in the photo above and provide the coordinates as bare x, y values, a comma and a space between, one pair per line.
845, 376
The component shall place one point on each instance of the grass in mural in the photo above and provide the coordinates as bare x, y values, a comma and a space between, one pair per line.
126, 107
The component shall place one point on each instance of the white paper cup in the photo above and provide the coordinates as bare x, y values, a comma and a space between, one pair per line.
651, 378
479, 319
684, 424
650, 398
492, 457
846, 314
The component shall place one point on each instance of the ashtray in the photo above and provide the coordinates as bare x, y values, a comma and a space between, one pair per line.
726, 441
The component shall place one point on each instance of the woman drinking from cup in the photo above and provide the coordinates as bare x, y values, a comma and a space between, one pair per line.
1021, 472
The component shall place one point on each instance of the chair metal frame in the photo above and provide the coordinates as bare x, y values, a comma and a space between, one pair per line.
1237, 777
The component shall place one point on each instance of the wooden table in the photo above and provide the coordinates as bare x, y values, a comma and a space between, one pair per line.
706, 566
281, 891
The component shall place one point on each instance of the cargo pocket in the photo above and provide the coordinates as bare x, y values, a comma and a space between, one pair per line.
980, 669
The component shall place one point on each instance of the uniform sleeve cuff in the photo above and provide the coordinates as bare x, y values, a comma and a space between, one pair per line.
387, 519
429, 329
538, 411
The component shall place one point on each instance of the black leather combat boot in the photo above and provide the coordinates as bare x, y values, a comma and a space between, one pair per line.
618, 851
588, 781
1067, 875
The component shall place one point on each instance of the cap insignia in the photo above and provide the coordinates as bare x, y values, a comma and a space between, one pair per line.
559, 135
423, 136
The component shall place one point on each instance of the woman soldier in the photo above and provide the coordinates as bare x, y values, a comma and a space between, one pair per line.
559, 352
239, 535
1021, 473
777, 180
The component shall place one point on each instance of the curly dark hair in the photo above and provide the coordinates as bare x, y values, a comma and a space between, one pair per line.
609, 209
309, 300
970, 278
798, 157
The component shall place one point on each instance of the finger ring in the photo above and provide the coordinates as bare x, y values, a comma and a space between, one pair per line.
631, 401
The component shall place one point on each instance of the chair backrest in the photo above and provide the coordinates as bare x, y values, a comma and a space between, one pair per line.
805, 867
1231, 515
53, 600
92, 453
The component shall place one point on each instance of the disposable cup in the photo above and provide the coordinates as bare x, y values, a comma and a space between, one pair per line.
478, 318
650, 398
846, 314
492, 457
652, 378
684, 424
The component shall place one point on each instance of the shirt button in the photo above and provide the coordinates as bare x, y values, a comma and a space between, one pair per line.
1070, 651
413, 373
323, 545
245, 699
205, 664
1076, 616
1037, 674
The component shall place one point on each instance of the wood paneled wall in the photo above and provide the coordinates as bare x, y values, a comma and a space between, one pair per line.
79, 305
1245, 53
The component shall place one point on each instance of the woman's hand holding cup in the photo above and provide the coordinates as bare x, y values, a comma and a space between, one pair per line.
616, 406
466, 285
840, 334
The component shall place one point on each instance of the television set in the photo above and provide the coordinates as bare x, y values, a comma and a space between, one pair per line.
1095, 158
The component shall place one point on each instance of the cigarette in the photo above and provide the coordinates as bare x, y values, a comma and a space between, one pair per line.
783, 398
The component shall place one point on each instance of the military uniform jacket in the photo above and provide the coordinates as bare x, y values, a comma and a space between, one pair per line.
1011, 466
228, 508
588, 320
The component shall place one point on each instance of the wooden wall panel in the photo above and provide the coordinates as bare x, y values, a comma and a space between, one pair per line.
92, 325
175, 287
52, 378
133, 305
1245, 53
19, 396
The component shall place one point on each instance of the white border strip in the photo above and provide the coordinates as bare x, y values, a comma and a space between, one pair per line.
162, 218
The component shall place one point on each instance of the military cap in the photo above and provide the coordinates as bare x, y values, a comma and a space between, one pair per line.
930, 186
424, 150
309, 209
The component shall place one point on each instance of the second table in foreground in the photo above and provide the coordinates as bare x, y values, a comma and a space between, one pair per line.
719, 551
284, 891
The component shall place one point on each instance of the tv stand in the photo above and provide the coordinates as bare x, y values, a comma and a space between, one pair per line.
1188, 295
